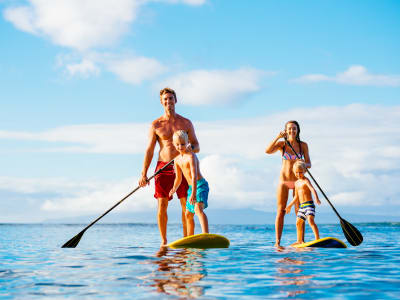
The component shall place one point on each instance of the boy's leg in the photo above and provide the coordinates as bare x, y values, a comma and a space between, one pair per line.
314, 227
162, 219
189, 222
202, 217
300, 232
183, 206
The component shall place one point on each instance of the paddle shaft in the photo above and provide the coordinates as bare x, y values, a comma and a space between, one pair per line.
120, 201
316, 183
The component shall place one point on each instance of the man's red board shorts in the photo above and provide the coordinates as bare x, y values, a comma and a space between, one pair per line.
164, 181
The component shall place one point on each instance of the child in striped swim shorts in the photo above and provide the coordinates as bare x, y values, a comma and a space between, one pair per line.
303, 190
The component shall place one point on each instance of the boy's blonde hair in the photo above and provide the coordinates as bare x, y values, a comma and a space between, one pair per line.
299, 164
182, 135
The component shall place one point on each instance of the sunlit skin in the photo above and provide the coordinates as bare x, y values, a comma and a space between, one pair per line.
303, 193
161, 131
286, 176
187, 164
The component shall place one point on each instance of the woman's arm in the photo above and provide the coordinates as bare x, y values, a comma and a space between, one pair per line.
275, 145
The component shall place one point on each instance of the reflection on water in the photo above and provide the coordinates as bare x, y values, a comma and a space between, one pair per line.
290, 274
177, 272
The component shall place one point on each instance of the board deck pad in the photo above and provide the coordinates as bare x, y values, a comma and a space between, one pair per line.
202, 241
328, 242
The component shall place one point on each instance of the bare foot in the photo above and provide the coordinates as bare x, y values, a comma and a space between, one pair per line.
297, 243
278, 247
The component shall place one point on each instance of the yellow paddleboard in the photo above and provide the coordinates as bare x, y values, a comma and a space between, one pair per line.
328, 242
202, 240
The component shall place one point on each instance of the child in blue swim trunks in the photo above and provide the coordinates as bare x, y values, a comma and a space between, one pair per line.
187, 163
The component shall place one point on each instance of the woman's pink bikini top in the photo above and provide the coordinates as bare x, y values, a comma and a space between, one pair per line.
288, 156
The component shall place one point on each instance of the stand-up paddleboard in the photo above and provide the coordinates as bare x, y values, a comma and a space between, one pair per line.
328, 242
202, 240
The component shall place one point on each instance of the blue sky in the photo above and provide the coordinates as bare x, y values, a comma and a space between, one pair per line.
80, 80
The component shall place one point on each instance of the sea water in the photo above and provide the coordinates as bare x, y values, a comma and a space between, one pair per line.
124, 261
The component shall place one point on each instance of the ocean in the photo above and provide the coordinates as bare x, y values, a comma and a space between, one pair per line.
124, 261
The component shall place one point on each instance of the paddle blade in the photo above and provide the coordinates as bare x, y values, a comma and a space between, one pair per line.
72, 243
351, 233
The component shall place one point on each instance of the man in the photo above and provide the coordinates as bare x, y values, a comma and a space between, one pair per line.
161, 132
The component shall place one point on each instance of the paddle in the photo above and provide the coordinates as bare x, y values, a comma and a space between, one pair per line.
351, 233
72, 243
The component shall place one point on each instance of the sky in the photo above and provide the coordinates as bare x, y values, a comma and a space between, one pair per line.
80, 81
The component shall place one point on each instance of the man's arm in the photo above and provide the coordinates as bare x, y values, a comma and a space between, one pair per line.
148, 156
192, 138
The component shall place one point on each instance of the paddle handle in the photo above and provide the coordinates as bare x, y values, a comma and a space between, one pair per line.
120, 201
316, 183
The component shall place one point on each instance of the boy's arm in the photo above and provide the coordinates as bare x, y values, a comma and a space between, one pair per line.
178, 178
289, 206
313, 191
193, 172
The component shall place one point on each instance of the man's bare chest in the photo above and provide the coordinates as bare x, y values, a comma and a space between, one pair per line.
165, 130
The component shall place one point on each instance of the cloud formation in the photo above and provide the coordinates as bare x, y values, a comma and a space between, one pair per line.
354, 75
75, 24
205, 87
80, 24
136, 70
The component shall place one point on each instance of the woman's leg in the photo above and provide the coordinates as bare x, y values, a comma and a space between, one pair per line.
282, 197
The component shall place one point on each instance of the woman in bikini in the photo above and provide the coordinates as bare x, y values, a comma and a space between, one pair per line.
287, 177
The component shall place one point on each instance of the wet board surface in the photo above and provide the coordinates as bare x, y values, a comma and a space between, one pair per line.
328, 242
202, 241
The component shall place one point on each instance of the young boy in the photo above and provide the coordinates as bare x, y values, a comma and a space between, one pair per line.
186, 163
303, 190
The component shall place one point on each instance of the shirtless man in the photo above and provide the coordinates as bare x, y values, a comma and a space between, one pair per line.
161, 132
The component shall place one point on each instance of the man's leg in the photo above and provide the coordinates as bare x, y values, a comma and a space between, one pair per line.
183, 206
162, 219
190, 222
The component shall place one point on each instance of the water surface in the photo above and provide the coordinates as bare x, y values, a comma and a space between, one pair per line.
123, 261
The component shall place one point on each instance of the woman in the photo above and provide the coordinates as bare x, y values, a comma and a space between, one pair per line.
287, 178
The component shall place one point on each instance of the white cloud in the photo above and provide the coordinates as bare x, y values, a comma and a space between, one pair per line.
85, 68
203, 87
354, 75
354, 151
78, 24
97, 138
136, 70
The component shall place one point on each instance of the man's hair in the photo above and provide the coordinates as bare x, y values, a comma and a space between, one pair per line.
182, 135
167, 90
300, 164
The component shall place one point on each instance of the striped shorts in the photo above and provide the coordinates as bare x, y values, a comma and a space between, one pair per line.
306, 209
